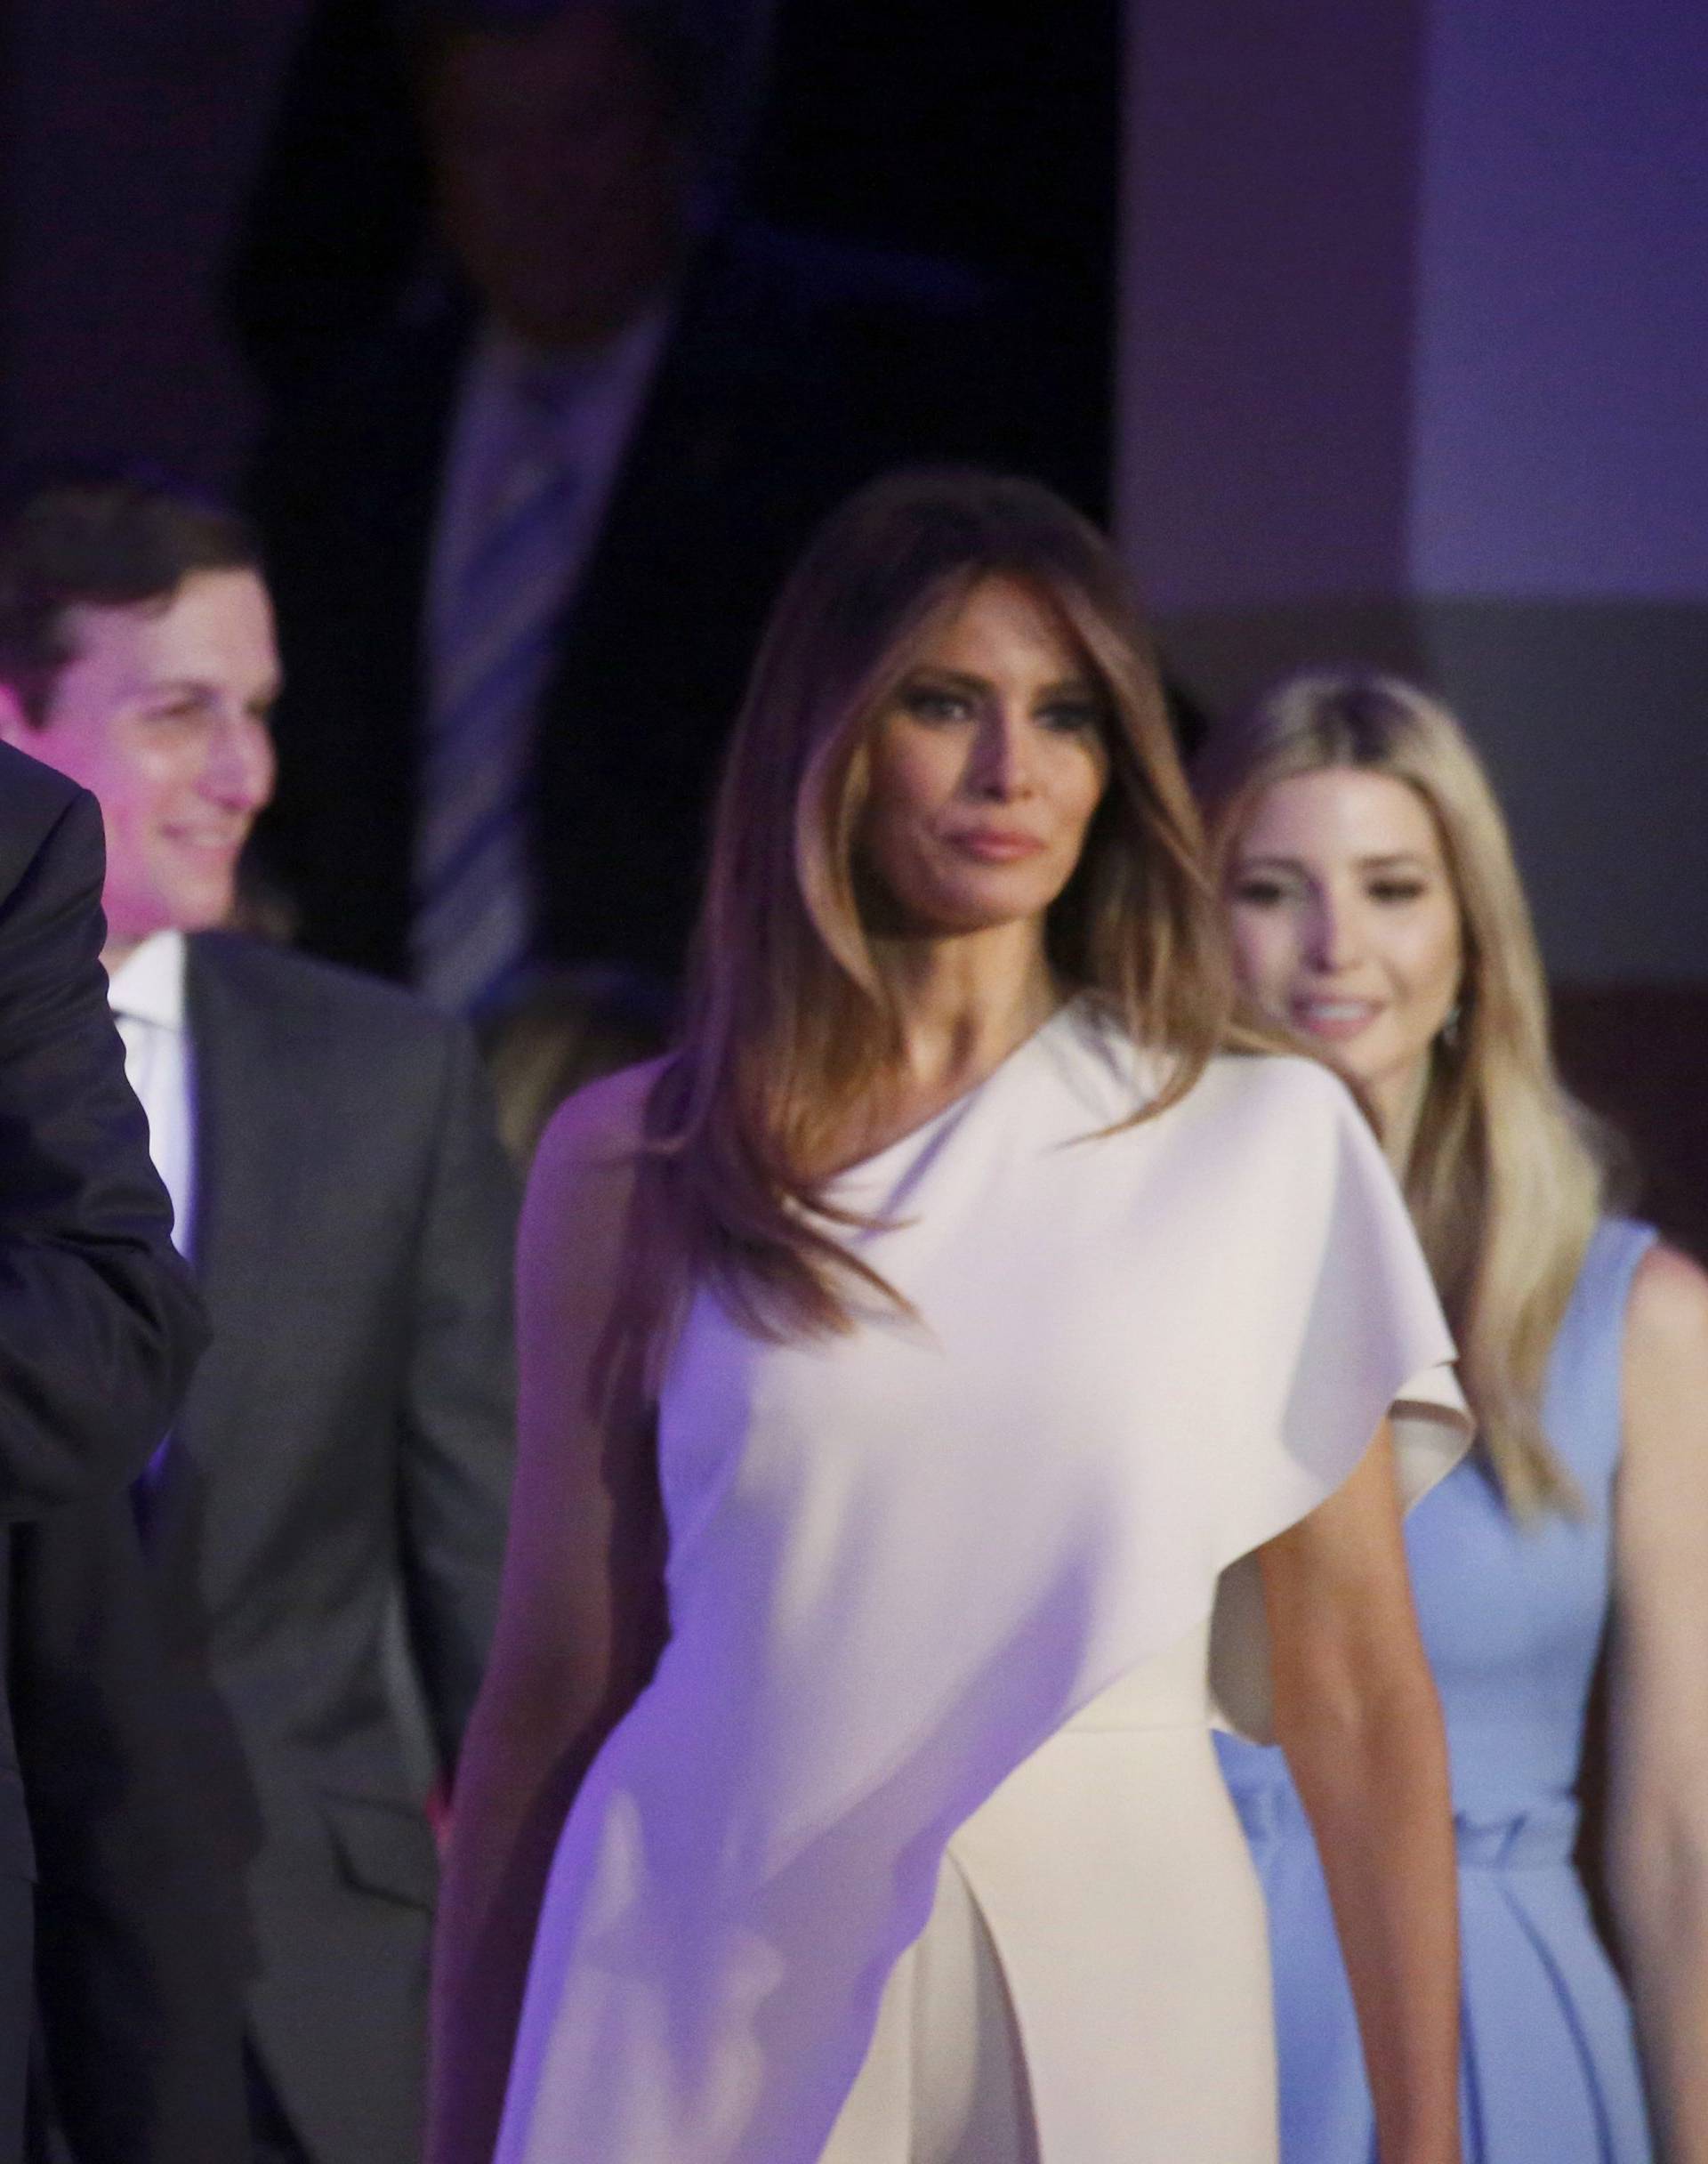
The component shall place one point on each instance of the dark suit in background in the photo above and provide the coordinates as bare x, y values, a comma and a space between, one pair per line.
99, 1324
350, 1424
794, 372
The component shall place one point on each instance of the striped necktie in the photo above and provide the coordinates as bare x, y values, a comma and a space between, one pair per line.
474, 914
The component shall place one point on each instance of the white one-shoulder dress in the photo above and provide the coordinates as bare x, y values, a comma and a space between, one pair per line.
915, 1850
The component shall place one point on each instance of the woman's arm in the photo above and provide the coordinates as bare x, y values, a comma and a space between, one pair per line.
1356, 1711
581, 1608
1657, 1832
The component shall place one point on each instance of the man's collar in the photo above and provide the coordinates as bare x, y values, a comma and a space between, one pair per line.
149, 983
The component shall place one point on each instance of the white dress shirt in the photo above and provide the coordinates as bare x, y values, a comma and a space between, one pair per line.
146, 993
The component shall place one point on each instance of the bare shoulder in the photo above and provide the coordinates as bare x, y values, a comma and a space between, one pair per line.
575, 1213
591, 1140
1666, 1321
602, 1122
1663, 1459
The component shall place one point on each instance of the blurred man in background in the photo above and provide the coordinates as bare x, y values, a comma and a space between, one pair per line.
327, 1144
522, 550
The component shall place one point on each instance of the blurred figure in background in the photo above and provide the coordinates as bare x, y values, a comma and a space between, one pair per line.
339, 231
329, 1146
1376, 910
522, 549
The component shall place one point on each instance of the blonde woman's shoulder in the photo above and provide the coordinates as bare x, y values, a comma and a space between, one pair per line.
1661, 1517
1666, 1321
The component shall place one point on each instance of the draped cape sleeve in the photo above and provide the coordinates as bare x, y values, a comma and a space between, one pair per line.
902, 1558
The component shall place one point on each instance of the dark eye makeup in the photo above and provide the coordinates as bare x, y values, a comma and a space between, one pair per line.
1071, 715
930, 702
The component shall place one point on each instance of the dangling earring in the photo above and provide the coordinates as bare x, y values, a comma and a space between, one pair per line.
1450, 1028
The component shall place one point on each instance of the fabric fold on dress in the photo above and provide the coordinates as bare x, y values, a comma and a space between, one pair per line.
903, 1558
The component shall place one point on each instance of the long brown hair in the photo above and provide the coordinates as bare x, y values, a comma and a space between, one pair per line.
788, 1018
1503, 1184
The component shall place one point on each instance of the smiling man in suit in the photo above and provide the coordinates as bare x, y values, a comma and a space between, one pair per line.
347, 1213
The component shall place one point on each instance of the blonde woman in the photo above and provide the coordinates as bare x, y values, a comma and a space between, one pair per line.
971, 1309
1376, 911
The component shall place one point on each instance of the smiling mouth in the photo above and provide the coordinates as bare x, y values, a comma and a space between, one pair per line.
1336, 1018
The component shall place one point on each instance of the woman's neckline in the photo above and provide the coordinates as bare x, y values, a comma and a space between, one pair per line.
917, 1134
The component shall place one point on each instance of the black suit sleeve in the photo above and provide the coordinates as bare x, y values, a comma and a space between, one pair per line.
100, 1324
137, 1941
460, 1411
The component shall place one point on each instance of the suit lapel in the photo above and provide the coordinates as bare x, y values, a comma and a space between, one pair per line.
666, 511
398, 498
353, 578
396, 511
686, 438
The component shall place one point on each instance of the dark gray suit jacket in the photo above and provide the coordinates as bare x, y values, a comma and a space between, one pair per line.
350, 1429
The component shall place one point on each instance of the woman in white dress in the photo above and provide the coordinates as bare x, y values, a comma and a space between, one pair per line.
934, 1377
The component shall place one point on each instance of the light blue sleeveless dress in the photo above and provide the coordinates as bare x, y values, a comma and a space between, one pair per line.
1513, 1620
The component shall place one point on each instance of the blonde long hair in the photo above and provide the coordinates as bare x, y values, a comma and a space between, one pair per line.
1503, 1184
788, 1018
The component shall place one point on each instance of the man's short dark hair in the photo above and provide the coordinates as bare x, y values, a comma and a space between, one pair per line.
99, 542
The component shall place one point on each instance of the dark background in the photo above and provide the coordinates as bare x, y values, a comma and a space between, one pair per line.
959, 130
